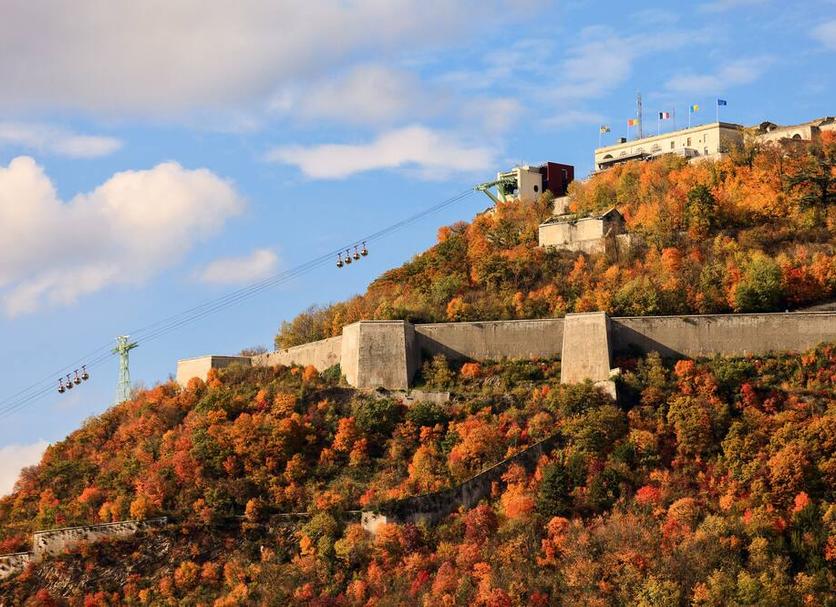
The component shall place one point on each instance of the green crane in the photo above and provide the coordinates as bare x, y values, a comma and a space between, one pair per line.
123, 386
505, 186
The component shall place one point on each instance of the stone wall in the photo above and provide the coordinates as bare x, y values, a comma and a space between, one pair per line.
492, 339
10, 564
388, 353
199, 366
56, 541
380, 353
723, 334
432, 507
587, 348
321, 354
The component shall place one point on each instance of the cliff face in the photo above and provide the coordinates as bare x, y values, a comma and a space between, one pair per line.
707, 482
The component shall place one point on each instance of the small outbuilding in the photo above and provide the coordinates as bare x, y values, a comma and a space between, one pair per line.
586, 234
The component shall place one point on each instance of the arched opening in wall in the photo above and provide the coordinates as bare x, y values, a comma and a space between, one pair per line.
607, 157
797, 136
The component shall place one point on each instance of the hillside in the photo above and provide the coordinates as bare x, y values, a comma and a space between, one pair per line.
753, 232
707, 483
711, 483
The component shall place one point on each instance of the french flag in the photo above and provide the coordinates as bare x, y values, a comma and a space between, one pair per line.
664, 115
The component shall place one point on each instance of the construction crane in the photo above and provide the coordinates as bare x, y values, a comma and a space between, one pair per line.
123, 386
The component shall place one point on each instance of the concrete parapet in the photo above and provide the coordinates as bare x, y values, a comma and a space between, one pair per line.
56, 541
724, 334
379, 354
321, 354
11, 564
188, 368
492, 339
587, 349
388, 353
432, 507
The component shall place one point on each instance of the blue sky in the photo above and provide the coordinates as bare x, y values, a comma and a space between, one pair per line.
155, 155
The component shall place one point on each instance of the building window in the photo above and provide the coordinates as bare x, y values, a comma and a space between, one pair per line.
673, 143
688, 142
705, 151
536, 188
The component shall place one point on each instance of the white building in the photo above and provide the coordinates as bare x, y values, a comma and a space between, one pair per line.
704, 141
708, 141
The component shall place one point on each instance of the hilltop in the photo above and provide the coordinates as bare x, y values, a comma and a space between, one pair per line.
707, 482
755, 231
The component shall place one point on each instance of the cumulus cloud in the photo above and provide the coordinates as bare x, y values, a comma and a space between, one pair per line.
13, 458
56, 140
125, 231
734, 73
239, 270
161, 56
826, 34
434, 154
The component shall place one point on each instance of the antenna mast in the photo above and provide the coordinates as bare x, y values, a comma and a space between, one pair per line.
639, 114
123, 386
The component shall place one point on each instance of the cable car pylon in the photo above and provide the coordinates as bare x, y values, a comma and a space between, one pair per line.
123, 386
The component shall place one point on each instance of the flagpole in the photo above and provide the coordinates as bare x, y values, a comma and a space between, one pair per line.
674, 118
717, 107
689, 116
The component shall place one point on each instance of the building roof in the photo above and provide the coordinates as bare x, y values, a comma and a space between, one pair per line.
573, 218
663, 136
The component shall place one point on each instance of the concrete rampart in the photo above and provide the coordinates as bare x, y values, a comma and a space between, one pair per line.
432, 507
723, 334
587, 348
56, 541
321, 354
380, 353
10, 564
492, 339
388, 353
199, 366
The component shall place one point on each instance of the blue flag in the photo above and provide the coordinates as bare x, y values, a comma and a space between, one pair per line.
721, 102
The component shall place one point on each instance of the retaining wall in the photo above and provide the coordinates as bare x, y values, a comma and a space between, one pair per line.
387, 353
432, 507
56, 541
200, 365
493, 339
11, 564
321, 354
724, 334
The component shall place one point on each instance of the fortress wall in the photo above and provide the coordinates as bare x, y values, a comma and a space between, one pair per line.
56, 541
199, 367
587, 348
492, 339
724, 334
321, 354
384, 351
11, 564
431, 507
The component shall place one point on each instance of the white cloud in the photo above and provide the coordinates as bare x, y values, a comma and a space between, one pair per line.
826, 34
367, 94
13, 458
125, 231
240, 270
434, 154
603, 60
56, 140
735, 73
159, 56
